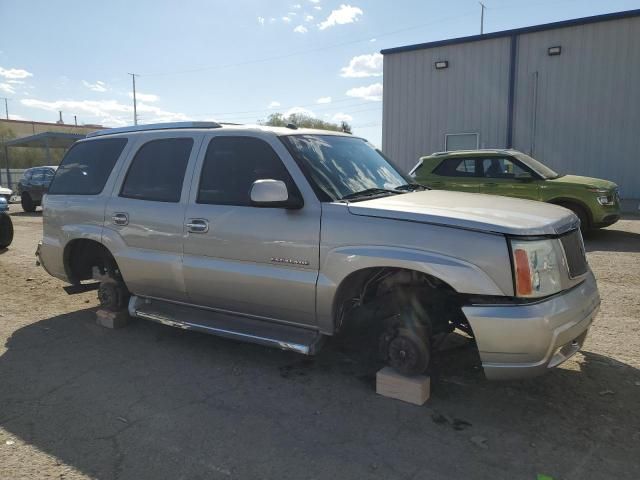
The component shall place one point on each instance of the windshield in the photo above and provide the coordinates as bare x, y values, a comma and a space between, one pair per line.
342, 167
541, 169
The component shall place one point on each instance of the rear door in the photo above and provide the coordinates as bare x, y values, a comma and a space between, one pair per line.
499, 177
457, 174
145, 215
261, 262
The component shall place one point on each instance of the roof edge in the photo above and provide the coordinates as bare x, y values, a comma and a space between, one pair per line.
516, 31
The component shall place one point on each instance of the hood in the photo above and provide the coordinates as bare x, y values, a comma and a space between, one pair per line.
489, 213
587, 182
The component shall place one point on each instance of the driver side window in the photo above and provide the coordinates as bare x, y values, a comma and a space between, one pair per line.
501, 168
232, 164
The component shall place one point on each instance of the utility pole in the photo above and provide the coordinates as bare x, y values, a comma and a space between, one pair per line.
6, 107
482, 7
135, 107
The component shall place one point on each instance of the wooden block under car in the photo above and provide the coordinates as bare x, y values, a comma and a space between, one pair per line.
108, 319
392, 384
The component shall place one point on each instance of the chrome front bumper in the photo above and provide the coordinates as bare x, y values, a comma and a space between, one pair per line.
517, 341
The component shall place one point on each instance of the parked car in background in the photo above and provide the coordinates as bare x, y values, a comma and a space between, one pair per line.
514, 174
6, 193
6, 225
33, 185
279, 235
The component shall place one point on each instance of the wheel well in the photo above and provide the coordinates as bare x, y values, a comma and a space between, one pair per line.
571, 201
365, 286
82, 255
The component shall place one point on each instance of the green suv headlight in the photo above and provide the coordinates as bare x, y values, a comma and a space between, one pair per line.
606, 198
537, 267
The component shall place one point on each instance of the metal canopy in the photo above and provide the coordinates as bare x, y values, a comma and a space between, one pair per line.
46, 140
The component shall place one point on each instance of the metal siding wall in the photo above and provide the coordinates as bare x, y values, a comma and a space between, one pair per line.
588, 108
422, 104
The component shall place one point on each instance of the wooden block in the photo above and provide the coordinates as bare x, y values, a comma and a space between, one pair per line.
113, 320
390, 383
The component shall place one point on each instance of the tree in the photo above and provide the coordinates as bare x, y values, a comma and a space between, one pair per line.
304, 121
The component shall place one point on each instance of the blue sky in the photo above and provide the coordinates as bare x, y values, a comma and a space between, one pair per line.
231, 60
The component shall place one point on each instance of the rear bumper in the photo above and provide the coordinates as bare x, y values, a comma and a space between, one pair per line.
518, 341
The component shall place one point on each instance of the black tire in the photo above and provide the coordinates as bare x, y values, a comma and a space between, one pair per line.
581, 213
6, 230
27, 202
113, 296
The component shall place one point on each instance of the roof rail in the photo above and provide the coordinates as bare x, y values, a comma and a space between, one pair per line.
155, 126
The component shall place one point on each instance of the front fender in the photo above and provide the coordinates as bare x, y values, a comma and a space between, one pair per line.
462, 276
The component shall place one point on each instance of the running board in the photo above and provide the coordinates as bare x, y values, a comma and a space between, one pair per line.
262, 332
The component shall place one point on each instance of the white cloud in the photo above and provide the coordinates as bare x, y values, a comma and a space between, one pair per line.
99, 86
291, 14
317, 7
299, 111
342, 117
6, 88
363, 66
107, 112
324, 100
261, 20
371, 92
308, 18
344, 14
373, 40
272, 19
314, 1
286, 19
296, 6
300, 29
14, 73
273, 104
13, 116
144, 97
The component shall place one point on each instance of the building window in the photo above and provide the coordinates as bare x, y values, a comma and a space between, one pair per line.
461, 141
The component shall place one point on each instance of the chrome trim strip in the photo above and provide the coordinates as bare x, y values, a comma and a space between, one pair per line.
304, 349
154, 126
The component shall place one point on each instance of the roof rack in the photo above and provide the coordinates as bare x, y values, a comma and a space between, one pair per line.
155, 126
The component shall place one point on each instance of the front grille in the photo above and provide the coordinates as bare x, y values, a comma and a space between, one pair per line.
574, 252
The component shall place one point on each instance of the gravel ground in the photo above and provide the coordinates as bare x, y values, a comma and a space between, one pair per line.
153, 402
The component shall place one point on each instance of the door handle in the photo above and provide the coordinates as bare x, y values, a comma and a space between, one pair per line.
197, 225
120, 218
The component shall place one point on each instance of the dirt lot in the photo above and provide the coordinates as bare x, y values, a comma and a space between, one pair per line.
152, 402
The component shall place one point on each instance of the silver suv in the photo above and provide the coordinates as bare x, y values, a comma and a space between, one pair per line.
279, 235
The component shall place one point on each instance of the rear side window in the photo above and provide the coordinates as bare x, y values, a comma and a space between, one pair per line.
157, 171
457, 167
231, 166
86, 166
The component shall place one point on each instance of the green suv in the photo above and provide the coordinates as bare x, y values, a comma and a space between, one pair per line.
514, 174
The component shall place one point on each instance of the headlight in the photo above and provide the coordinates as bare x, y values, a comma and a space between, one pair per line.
537, 267
604, 197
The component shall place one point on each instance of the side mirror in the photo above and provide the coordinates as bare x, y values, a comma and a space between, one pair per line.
272, 194
524, 177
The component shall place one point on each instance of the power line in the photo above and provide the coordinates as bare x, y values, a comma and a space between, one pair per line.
302, 52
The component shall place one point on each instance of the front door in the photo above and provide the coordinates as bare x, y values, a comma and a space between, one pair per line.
260, 262
500, 177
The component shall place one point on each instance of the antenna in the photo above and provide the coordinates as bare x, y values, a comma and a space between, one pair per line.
135, 106
482, 8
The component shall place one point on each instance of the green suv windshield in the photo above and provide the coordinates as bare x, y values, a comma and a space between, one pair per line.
541, 169
346, 168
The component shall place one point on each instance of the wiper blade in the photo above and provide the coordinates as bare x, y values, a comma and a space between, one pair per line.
411, 187
368, 193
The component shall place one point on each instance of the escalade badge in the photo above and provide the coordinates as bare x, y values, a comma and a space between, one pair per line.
290, 261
